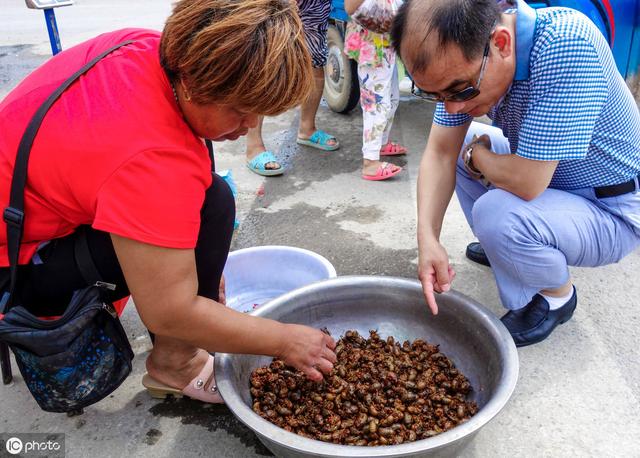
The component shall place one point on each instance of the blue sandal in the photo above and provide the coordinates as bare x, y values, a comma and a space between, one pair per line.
320, 139
259, 164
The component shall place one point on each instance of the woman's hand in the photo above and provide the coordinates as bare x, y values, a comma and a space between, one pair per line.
435, 272
309, 350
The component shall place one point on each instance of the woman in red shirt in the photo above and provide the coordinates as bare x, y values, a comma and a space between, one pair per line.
121, 155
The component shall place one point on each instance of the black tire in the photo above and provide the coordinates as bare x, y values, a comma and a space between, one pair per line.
341, 88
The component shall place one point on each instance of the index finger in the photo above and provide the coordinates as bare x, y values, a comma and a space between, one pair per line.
427, 289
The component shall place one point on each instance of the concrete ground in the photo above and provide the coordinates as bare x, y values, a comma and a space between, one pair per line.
578, 392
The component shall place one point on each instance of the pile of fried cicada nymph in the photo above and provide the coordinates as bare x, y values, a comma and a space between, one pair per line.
380, 392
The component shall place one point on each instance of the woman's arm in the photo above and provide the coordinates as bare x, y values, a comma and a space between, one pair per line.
164, 285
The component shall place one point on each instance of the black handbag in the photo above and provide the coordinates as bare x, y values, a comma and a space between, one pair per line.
79, 358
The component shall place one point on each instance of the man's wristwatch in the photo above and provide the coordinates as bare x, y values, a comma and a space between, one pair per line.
467, 158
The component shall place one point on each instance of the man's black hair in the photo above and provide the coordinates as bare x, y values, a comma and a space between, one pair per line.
465, 23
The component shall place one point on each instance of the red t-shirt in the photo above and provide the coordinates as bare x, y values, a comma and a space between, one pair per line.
113, 151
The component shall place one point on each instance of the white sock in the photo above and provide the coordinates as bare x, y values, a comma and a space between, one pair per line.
557, 302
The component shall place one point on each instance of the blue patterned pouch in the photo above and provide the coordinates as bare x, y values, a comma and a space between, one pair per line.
73, 361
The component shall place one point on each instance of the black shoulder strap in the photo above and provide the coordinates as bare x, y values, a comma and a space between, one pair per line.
83, 257
209, 144
13, 215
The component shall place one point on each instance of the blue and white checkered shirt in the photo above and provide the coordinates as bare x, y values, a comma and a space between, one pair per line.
567, 103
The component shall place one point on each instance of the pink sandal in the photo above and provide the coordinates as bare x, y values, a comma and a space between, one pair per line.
393, 149
195, 389
384, 172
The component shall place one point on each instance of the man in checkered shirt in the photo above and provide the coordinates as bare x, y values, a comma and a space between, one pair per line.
554, 181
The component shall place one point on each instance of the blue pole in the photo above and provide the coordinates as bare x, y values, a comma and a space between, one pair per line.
52, 28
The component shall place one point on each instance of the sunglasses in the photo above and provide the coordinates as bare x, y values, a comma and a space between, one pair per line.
465, 94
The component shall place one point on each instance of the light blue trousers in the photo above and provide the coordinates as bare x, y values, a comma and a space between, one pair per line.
530, 244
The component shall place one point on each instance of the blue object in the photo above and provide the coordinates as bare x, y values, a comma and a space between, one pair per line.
52, 28
320, 140
73, 361
227, 176
338, 12
619, 21
259, 164
3, 300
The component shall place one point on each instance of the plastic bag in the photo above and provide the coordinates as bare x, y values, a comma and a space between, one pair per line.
376, 15
227, 176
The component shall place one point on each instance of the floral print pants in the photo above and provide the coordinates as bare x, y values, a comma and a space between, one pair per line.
379, 96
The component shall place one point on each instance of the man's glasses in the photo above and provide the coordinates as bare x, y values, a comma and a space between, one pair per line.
465, 94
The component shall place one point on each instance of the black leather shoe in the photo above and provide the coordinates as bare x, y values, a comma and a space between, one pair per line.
476, 253
534, 322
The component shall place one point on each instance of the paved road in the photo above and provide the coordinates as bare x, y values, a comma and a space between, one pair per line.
578, 392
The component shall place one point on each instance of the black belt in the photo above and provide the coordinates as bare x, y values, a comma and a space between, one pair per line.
617, 189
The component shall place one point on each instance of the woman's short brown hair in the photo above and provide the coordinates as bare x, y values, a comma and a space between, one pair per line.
247, 53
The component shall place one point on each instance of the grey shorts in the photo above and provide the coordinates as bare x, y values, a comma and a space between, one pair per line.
315, 20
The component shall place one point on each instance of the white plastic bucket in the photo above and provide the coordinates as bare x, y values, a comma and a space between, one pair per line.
256, 275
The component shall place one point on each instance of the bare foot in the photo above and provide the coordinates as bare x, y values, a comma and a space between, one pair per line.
175, 372
254, 150
306, 133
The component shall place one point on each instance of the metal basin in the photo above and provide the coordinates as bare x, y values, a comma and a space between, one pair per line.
475, 340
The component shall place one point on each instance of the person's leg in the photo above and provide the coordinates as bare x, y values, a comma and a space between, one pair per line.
173, 362
214, 239
531, 243
309, 108
375, 101
394, 100
315, 20
255, 145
